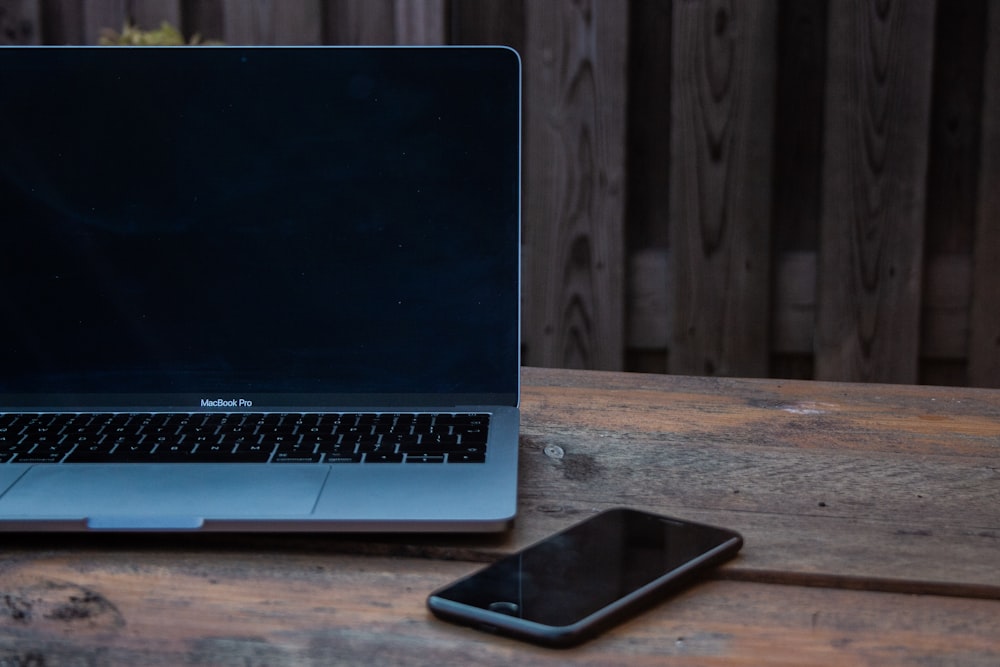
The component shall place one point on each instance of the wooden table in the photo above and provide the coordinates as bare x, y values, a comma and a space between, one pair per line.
871, 515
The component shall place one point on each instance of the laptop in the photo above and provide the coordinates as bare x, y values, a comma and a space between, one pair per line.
259, 288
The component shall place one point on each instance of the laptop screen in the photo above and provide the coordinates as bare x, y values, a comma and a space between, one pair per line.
225, 221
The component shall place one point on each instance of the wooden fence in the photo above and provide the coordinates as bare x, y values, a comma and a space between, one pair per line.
793, 188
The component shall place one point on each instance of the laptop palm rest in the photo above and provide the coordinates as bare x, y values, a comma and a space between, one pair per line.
124, 496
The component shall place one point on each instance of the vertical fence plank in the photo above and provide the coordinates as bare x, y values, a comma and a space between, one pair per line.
723, 83
798, 119
272, 21
877, 124
20, 22
798, 184
954, 137
361, 22
421, 22
984, 343
373, 22
952, 180
498, 22
62, 22
574, 183
648, 194
100, 15
202, 18
650, 57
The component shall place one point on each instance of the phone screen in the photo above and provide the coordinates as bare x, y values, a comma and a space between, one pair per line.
585, 571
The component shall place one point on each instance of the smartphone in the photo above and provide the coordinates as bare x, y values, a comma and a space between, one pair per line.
577, 583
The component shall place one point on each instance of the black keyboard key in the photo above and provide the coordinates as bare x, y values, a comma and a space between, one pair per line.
216, 452
296, 452
128, 450
401, 441
425, 458
387, 457
251, 453
343, 458
443, 448
376, 447
290, 457
43, 456
90, 454
14, 448
475, 434
442, 440
466, 458
173, 450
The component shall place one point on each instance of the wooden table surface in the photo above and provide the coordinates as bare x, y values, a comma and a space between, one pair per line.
871, 515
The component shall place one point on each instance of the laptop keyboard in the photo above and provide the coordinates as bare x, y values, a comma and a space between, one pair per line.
243, 438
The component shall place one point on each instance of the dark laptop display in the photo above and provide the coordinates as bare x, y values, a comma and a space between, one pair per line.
258, 224
303, 261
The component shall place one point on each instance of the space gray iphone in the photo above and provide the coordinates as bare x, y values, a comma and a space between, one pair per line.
578, 582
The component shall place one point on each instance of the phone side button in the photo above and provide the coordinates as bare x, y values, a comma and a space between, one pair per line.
506, 608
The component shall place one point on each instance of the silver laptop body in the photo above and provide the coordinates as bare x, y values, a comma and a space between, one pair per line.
300, 255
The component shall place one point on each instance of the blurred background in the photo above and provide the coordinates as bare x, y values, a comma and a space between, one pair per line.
766, 188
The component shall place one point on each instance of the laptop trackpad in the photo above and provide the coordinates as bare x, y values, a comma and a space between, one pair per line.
110, 496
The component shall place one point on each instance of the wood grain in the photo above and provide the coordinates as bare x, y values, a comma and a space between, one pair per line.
573, 259
877, 121
361, 22
488, 22
827, 483
140, 607
944, 322
272, 21
720, 197
420, 22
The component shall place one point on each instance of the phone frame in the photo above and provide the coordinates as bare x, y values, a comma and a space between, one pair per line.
600, 620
